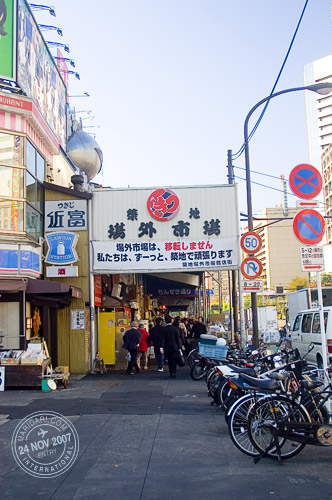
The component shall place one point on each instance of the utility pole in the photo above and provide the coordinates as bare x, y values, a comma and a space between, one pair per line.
234, 278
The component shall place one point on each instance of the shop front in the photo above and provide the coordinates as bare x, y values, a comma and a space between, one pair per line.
152, 246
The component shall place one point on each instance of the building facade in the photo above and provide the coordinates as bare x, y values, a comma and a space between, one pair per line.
318, 109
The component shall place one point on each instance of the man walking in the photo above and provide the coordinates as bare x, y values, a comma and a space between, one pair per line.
157, 338
131, 340
198, 329
172, 345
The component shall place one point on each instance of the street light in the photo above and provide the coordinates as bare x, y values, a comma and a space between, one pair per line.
320, 88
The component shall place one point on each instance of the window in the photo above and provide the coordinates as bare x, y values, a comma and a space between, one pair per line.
12, 215
11, 149
316, 322
34, 224
35, 175
297, 323
306, 323
11, 184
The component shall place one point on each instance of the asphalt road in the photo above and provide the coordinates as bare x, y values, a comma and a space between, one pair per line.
151, 437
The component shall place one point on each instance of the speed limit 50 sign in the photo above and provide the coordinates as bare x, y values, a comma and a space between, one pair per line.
251, 242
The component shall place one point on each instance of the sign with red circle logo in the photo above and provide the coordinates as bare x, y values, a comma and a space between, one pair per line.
163, 204
251, 268
305, 181
309, 227
251, 242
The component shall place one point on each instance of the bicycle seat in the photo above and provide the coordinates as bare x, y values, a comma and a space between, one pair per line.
261, 383
309, 385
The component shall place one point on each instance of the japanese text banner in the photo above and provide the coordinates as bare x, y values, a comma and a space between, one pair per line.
171, 255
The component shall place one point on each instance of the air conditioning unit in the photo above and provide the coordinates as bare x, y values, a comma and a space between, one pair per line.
116, 291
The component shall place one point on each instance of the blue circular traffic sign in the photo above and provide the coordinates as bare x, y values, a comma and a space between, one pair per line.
305, 181
309, 226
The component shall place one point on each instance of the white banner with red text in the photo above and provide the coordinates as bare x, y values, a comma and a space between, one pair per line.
171, 255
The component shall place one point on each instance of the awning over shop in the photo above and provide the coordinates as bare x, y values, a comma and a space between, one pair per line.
13, 284
45, 287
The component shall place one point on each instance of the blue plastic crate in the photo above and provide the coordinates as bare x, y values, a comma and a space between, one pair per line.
213, 351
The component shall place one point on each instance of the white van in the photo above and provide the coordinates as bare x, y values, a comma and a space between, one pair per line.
306, 330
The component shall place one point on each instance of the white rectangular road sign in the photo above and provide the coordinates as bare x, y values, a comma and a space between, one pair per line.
61, 271
307, 204
312, 258
253, 286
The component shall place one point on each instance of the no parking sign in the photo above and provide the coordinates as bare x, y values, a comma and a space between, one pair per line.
309, 227
305, 181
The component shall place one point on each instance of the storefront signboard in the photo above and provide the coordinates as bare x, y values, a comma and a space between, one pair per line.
165, 255
66, 215
61, 248
165, 229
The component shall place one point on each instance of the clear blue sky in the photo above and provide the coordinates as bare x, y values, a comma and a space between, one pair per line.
171, 82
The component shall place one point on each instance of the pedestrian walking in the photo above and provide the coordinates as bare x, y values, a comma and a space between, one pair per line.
172, 345
142, 356
198, 329
131, 340
157, 339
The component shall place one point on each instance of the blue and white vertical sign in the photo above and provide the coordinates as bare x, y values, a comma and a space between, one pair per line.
65, 215
61, 248
2, 378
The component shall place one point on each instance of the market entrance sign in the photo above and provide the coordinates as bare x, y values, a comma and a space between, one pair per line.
165, 229
191, 255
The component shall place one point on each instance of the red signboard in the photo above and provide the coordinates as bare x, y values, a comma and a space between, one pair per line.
163, 204
98, 288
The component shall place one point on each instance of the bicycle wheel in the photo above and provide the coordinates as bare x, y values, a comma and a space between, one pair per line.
221, 392
198, 370
213, 382
238, 424
192, 357
317, 410
263, 419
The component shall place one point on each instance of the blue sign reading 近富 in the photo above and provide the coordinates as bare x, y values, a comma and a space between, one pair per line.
61, 248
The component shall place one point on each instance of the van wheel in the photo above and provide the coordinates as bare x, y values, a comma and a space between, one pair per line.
319, 362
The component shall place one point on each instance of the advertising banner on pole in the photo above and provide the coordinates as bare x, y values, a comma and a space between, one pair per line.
8, 39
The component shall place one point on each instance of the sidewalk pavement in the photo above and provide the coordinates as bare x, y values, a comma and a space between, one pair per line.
148, 437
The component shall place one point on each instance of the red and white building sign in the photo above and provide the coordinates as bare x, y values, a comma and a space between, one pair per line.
163, 204
178, 229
